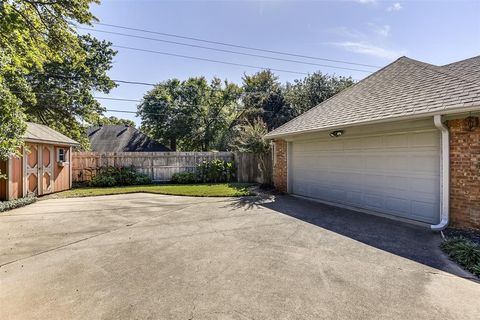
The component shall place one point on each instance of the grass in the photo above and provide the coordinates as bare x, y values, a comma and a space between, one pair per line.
465, 252
194, 190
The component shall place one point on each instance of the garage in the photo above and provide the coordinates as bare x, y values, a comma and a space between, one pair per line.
396, 173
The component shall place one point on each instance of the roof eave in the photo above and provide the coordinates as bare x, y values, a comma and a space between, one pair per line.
376, 121
60, 143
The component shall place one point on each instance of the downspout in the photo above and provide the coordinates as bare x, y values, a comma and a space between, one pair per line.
444, 176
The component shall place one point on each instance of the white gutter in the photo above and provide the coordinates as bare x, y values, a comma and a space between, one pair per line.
444, 175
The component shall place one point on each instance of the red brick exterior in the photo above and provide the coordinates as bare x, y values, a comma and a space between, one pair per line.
465, 172
280, 165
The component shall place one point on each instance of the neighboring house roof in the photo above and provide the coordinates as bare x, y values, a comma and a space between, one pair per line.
405, 88
121, 138
41, 133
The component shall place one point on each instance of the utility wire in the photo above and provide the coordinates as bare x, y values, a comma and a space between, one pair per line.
235, 45
224, 50
208, 60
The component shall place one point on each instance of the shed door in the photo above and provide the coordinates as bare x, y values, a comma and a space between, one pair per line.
46, 169
396, 174
38, 169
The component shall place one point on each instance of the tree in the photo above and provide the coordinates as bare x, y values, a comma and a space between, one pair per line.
189, 115
250, 138
31, 34
64, 90
306, 93
264, 97
105, 121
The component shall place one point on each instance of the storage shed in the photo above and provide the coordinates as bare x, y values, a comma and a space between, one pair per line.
43, 165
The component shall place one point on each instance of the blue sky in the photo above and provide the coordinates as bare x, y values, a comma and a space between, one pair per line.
364, 31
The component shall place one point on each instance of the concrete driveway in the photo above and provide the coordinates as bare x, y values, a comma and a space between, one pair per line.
143, 256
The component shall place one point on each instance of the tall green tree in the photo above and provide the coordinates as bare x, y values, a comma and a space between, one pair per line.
64, 89
315, 88
264, 98
112, 120
31, 34
189, 115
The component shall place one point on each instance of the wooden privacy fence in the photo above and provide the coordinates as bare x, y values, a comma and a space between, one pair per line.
160, 166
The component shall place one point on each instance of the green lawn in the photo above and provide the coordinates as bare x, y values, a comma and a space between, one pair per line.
196, 190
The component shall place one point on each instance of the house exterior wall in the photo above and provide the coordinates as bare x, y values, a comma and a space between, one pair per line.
62, 173
15, 188
465, 172
280, 165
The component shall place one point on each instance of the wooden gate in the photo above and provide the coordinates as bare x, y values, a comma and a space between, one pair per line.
38, 162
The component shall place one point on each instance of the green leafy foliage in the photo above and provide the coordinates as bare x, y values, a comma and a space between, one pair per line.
184, 177
250, 138
64, 89
124, 176
304, 94
189, 115
33, 33
465, 252
17, 203
215, 171
264, 98
115, 121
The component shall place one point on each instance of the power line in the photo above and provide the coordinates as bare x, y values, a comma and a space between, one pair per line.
224, 50
208, 60
77, 95
235, 45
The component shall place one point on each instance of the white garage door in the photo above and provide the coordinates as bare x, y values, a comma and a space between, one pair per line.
396, 174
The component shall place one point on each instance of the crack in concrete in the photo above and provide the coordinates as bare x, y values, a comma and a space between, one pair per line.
93, 236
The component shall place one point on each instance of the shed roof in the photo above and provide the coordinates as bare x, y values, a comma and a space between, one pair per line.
41, 133
121, 138
405, 88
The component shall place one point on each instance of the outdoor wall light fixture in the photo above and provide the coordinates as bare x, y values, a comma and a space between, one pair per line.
336, 133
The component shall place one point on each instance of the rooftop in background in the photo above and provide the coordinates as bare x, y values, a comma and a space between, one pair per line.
403, 89
121, 138
43, 134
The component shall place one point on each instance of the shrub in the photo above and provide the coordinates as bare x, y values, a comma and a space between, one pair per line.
215, 171
184, 177
465, 252
17, 203
125, 176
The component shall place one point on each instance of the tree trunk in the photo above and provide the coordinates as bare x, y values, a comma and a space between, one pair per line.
173, 144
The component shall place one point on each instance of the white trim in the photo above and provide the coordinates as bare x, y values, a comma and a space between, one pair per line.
369, 122
70, 169
444, 175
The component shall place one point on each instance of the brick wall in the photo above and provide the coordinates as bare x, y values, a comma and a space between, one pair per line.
465, 172
280, 165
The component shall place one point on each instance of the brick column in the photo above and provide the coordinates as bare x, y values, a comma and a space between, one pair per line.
465, 172
280, 165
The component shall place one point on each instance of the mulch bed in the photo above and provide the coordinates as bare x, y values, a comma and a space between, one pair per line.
472, 235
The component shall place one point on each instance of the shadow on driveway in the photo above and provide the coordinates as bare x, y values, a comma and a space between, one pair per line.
409, 241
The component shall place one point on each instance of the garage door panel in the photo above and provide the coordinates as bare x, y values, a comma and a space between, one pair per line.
424, 209
423, 139
395, 174
396, 141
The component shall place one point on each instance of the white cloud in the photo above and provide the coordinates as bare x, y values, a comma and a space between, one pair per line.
383, 31
369, 49
395, 7
366, 1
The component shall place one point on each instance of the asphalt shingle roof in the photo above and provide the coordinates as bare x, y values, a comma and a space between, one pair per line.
404, 88
41, 133
121, 138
